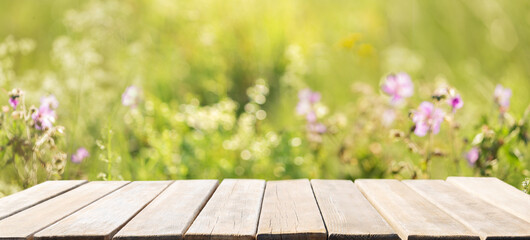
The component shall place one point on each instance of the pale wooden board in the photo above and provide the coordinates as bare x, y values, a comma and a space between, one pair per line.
496, 192
476, 214
290, 211
21, 200
411, 215
25, 223
171, 213
103, 218
346, 212
231, 213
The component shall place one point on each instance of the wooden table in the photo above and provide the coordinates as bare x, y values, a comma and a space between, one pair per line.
457, 208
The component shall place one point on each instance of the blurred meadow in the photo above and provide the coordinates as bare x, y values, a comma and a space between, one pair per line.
168, 89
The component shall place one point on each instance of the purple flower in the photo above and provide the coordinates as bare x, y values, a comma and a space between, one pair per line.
309, 96
315, 131
14, 97
305, 106
502, 97
131, 96
398, 86
316, 128
44, 118
79, 155
456, 102
472, 156
427, 118
13, 101
49, 102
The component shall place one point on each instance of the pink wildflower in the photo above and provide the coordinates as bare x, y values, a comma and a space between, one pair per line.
309, 96
502, 97
305, 106
45, 116
316, 128
14, 97
398, 86
472, 156
80, 155
49, 102
315, 131
131, 96
13, 101
456, 102
427, 118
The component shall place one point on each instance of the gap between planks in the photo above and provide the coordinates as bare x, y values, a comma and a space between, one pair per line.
18, 226
103, 218
231, 213
411, 215
37, 194
347, 214
170, 214
290, 211
471, 211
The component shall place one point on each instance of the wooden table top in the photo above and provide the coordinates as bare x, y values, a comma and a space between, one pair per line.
248, 209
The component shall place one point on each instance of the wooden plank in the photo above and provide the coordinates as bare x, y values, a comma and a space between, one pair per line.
103, 218
411, 215
231, 213
171, 213
34, 195
476, 214
290, 211
497, 193
25, 223
346, 212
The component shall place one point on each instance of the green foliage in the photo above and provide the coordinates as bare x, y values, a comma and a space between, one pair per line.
219, 83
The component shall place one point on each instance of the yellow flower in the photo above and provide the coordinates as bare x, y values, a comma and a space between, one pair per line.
350, 41
365, 50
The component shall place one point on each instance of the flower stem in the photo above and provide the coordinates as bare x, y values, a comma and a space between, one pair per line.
453, 147
428, 154
109, 154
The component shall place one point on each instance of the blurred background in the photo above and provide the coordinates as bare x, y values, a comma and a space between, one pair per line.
216, 84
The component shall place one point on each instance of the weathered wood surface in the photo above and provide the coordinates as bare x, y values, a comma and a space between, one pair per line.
347, 213
476, 214
290, 211
459, 208
19, 201
171, 213
231, 213
103, 218
411, 215
496, 192
24, 224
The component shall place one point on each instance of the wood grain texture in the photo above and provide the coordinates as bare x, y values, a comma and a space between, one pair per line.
171, 213
411, 215
25, 223
103, 218
290, 211
346, 212
231, 213
497, 193
476, 214
39, 193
